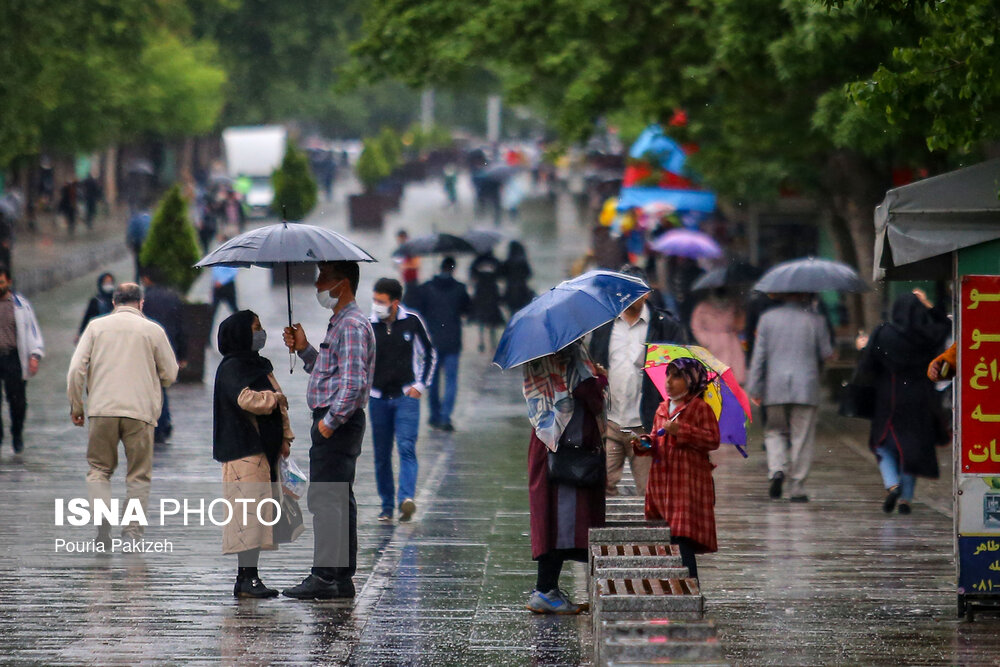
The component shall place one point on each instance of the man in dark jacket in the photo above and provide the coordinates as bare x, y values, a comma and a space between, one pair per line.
163, 305
404, 366
442, 301
620, 346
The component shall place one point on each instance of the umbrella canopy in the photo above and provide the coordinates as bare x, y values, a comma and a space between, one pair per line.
724, 394
737, 273
432, 244
811, 275
498, 173
483, 239
681, 200
687, 243
285, 243
568, 311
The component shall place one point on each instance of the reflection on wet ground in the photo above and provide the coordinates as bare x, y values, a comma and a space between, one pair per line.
832, 582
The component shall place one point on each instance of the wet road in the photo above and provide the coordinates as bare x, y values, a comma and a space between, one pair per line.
831, 582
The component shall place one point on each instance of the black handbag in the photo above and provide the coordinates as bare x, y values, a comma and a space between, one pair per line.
574, 463
290, 524
856, 401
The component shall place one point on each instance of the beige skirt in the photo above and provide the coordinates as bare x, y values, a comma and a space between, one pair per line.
243, 479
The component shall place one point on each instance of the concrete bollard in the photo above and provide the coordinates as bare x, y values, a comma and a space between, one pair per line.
634, 555
641, 652
654, 631
633, 534
640, 599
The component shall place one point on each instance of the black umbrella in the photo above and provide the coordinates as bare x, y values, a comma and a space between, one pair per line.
433, 244
483, 240
811, 275
285, 243
737, 273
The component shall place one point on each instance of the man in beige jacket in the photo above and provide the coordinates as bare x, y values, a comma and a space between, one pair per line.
123, 359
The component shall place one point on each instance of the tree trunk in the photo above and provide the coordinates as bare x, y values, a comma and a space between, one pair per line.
110, 172
856, 187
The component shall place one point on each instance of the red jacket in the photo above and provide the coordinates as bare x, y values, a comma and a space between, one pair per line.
681, 490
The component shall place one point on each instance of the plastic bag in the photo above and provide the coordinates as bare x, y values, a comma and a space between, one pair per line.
293, 480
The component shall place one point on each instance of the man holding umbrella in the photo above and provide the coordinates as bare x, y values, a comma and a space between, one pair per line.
341, 373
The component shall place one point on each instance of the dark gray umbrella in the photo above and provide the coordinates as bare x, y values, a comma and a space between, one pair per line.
810, 275
483, 240
433, 244
737, 273
283, 244
140, 166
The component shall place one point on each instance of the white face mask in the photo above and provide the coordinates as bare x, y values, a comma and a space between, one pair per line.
381, 311
326, 300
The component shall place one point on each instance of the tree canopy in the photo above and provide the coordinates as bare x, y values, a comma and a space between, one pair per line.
77, 75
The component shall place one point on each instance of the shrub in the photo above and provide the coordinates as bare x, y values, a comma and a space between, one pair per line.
294, 187
371, 167
392, 148
172, 245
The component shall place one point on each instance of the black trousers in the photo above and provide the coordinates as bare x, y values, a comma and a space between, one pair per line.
688, 559
12, 381
224, 294
334, 459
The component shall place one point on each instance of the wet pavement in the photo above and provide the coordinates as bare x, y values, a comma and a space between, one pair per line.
835, 581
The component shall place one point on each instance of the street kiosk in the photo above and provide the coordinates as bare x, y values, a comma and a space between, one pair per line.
948, 228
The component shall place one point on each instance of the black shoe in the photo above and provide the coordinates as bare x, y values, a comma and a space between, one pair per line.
316, 588
434, 425
802, 498
891, 497
253, 588
776, 481
904, 508
447, 427
18, 443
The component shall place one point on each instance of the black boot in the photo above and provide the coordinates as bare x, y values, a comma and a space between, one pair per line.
249, 585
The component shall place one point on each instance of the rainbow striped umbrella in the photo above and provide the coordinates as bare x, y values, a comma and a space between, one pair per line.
724, 394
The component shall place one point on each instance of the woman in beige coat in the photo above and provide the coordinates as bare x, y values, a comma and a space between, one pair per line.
251, 432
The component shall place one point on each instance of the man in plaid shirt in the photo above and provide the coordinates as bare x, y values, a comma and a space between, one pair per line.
340, 379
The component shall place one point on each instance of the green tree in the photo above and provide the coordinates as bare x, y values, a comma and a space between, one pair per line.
764, 84
172, 245
78, 75
294, 185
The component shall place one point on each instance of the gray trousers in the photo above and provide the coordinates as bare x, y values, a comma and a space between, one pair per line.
788, 437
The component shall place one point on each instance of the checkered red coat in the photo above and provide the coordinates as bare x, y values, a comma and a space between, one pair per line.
680, 489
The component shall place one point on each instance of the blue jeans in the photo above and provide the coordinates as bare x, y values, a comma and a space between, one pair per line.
441, 409
892, 474
397, 418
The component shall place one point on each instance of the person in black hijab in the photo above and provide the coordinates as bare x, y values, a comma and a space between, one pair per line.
100, 303
517, 271
251, 432
907, 421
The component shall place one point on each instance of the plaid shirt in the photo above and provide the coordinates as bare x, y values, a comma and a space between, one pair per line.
341, 371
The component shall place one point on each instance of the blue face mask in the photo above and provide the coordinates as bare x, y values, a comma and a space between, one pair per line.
259, 339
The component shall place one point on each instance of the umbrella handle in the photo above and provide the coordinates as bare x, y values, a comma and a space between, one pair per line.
288, 298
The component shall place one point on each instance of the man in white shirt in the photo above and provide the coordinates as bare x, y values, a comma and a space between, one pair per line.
620, 346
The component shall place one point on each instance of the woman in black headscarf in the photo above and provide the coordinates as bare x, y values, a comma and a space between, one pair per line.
251, 431
907, 421
516, 272
100, 303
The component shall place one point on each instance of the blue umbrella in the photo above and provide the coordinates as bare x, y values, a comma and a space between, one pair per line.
284, 244
568, 311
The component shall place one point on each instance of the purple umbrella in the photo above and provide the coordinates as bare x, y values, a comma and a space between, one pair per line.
687, 243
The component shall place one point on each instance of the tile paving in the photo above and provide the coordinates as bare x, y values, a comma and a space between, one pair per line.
831, 582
